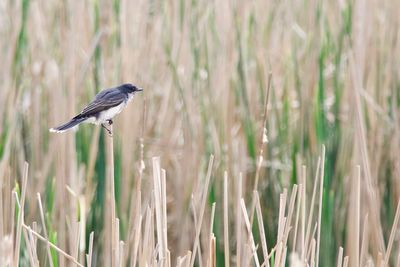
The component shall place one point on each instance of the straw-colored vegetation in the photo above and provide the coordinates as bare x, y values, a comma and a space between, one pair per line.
206, 168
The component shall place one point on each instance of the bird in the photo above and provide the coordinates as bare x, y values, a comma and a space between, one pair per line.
105, 105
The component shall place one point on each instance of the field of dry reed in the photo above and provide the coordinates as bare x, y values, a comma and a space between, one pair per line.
268, 133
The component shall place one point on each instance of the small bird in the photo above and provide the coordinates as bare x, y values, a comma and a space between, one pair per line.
103, 108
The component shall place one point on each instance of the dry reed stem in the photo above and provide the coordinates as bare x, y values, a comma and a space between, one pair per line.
361, 134
398, 256
310, 216
20, 221
284, 257
137, 235
312, 259
66, 255
290, 213
346, 261
195, 227
1, 210
144, 257
340, 257
164, 209
203, 205
135, 222
121, 246
303, 213
310, 245
281, 218
89, 256
379, 259
279, 245
262, 230
297, 217
226, 221
364, 240
392, 234
29, 246
117, 243
75, 240
238, 221
213, 256
263, 140
92, 160
14, 202
44, 229
250, 233
321, 191
110, 256
355, 228
212, 219
159, 208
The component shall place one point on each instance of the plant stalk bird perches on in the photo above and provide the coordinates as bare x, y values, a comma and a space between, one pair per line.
103, 108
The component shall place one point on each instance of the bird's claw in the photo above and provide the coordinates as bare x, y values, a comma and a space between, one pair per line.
108, 130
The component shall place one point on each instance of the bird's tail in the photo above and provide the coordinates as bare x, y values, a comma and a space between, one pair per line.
65, 127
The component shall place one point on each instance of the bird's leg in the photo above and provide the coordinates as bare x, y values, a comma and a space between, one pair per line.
108, 130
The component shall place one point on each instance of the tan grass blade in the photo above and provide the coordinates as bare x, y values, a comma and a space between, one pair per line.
137, 236
195, 226
303, 214
262, 229
89, 256
164, 209
226, 221
20, 219
282, 207
66, 255
213, 257
361, 137
158, 207
203, 205
211, 252
146, 244
364, 241
239, 223
310, 216
312, 249
309, 251
249, 232
296, 225
321, 191
290, 213
29, 244
44, 230
392, 234
340, 257
346, 261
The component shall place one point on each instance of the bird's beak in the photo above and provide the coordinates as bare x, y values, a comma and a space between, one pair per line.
139, 89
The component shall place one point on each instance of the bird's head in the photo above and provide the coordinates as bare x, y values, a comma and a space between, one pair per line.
130, 88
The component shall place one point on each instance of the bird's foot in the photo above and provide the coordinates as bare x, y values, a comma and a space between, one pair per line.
108, 130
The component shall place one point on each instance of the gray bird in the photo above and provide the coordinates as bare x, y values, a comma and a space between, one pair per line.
103, 108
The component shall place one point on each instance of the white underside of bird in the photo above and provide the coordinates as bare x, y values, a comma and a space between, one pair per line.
106, 115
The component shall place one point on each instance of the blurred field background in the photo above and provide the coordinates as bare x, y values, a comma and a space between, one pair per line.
333, 71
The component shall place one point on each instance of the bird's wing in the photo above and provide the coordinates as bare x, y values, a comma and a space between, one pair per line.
104, 100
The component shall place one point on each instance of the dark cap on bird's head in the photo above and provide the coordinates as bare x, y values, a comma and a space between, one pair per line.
130, 88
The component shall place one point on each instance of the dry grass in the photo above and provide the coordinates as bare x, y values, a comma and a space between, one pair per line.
268, 133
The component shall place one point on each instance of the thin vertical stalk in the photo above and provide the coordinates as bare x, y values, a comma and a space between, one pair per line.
20, 221
111, 199
321, 191
226, 220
